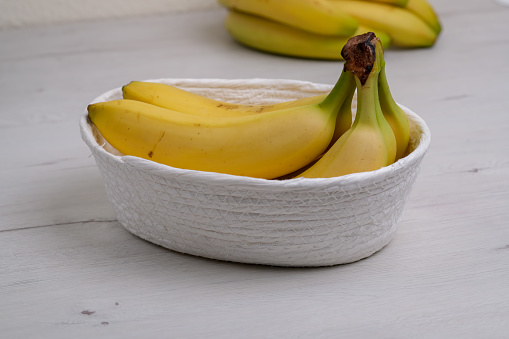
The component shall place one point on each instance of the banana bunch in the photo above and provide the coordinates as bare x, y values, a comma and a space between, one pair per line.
318, 29
370, 143
310, 137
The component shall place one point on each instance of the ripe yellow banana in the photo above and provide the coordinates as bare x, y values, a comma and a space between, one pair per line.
425, 11
174, 98
315, 16
394, 115
266, 145
365, 146
274, 37
404, 27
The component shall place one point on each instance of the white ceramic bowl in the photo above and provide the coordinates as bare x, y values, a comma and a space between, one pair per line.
296, 222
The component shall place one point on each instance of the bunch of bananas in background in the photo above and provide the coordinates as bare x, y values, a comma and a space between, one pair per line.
318, 29
312, 137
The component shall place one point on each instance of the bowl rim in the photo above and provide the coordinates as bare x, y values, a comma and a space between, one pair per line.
222, 178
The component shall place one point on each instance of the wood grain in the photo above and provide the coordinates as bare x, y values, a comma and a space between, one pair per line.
69, 269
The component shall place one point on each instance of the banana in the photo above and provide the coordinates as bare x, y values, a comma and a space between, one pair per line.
315, 16
274, 37
394, 115
266, 145
425, 11
365, 146
174, 98
404, 27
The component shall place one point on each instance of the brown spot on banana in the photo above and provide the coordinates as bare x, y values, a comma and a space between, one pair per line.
151, 153
228, 106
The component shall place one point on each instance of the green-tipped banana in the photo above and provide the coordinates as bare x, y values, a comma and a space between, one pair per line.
366, 145
315, 16
274, 37
394, 115
425, 11
174, 98
404, 27
266, 145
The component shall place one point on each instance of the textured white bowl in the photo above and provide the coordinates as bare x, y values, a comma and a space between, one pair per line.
296, 222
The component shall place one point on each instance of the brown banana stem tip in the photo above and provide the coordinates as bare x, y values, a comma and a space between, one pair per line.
359, 54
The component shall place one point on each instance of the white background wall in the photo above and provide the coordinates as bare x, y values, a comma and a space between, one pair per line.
17, 13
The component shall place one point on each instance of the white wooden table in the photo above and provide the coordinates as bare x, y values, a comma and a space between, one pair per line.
69, 270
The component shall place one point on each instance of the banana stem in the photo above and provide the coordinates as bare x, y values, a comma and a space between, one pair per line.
344, 118
360, 54
364, 59
368, 106
386, 98
394, 115
339, 93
